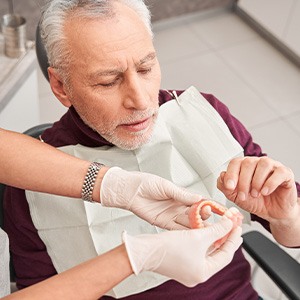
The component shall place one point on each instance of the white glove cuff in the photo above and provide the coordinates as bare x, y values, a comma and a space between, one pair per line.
111, 188
125, 239
145, 251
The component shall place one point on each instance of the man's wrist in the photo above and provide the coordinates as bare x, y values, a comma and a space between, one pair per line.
287, 231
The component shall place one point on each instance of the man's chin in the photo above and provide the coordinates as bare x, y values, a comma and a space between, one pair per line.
127, 140
131, 144
131, 141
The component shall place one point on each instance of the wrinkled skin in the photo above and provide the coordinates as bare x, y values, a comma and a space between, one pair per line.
265, 187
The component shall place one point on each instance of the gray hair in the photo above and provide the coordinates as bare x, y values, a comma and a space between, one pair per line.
56, 12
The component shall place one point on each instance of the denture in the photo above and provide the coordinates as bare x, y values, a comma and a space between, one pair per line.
196, 220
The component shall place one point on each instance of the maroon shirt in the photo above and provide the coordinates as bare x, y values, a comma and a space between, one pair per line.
33, 264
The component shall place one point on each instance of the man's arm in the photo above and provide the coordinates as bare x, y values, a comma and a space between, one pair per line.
287, 232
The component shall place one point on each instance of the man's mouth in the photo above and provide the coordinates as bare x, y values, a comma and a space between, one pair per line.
137, 125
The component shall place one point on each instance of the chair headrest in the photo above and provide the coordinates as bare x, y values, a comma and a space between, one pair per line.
41, 53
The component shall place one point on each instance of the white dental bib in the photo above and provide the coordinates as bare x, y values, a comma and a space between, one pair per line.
4, 264
190, 146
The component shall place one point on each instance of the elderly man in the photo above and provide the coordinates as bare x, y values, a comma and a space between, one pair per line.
103, 67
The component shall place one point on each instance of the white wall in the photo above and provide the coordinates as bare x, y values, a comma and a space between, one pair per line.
22, 111
280, 17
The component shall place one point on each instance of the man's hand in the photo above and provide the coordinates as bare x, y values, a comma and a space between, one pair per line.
187, 256
265, 187
152, 198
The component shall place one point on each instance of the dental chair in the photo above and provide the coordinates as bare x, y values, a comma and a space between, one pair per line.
282, 269
273, 260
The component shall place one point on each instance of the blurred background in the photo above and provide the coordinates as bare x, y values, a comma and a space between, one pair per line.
161, 9
246, 53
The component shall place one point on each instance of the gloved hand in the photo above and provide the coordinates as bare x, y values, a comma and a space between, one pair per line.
187, 256
148, 196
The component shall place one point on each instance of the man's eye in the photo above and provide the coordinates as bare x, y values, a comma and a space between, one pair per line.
145, 71
108, 84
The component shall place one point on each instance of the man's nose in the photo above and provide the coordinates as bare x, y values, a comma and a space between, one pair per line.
136, 95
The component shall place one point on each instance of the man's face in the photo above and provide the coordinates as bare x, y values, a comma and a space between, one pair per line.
115, 77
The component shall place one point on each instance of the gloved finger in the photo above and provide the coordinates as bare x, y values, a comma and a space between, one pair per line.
180, 194
176, 226
205, 212
172, 221
221, 257
233, 241
183, 220
219, 229
206, 223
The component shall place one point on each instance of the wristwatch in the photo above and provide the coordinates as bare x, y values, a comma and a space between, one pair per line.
89, 181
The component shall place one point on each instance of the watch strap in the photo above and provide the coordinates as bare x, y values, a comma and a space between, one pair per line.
89, 181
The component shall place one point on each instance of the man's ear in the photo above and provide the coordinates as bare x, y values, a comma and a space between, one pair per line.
58, 87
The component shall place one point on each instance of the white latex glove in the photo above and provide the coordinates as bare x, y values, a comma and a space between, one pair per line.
184, 255
148, 196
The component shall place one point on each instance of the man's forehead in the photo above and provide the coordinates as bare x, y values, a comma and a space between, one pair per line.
95, 38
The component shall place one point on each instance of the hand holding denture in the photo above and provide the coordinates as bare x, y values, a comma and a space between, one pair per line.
197, 211
194, 260
152, 198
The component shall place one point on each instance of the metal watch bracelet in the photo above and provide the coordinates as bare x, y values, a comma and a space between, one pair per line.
89, 181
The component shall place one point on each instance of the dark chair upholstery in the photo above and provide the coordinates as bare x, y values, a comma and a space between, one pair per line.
41, 53
278, 264
35, 132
